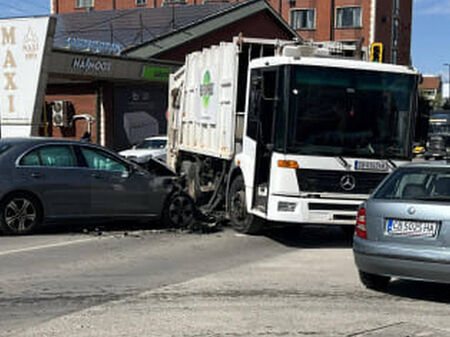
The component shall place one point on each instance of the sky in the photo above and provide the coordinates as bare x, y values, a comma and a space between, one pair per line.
430, 30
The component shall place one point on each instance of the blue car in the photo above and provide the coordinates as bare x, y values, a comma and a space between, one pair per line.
403, 230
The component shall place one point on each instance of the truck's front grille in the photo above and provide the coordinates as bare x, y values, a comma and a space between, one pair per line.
351, 182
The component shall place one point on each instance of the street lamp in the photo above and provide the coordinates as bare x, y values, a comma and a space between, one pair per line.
448, 80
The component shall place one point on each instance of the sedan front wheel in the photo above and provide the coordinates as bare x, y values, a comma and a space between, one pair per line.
179, 211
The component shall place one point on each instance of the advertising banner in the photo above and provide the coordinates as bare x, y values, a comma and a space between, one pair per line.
22, 86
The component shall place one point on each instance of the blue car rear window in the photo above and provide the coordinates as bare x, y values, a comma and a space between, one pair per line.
432, 184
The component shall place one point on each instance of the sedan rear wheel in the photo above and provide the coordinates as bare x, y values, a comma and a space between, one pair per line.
21, 214
374, 282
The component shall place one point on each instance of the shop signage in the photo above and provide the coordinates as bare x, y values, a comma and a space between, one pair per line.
90, 65
155, 73
94, 46
22, 44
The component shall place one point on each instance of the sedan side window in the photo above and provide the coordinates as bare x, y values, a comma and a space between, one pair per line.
31, 159
54, 156
59, 156
99, 160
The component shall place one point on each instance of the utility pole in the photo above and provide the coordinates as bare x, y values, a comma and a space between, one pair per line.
332, 20
448, 81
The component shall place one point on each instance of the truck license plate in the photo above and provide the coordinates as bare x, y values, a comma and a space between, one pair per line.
371, 165
411, 228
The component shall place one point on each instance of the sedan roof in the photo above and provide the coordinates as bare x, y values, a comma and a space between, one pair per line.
429, 164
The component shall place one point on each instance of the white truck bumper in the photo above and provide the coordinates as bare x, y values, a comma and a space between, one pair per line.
312, 210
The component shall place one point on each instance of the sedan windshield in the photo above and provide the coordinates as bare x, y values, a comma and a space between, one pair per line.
347, 112
429, 184
152, 144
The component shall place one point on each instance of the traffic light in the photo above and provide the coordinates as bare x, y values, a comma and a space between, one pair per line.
376, 52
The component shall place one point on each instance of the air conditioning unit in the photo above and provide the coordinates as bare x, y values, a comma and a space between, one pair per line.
60, 115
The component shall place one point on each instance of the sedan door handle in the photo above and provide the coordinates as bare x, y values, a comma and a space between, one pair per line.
96, 175
36, 175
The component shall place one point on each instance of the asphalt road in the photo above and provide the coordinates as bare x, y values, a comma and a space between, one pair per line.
158, 283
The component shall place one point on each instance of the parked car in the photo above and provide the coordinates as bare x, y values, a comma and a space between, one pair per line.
149, 148
51, 180
403, 230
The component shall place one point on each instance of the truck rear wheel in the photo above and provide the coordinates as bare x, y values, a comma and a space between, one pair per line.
241, 220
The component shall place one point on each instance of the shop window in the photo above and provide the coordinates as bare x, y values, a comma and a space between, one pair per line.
348, 17
141, 2
303, 18
84, 3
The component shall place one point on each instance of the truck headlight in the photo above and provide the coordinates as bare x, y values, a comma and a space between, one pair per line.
284, 206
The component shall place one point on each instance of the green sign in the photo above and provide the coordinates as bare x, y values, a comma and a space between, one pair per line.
206, 89
155, 73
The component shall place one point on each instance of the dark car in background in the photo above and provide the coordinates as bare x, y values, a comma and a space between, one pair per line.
51, 180
438, 142
403, 230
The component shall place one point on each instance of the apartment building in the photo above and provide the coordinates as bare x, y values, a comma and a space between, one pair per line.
349, 25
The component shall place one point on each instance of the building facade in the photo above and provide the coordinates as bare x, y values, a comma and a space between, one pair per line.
109, 70
356, 24
431, 89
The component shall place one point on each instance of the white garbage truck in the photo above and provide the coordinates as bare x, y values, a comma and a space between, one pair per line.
273, 132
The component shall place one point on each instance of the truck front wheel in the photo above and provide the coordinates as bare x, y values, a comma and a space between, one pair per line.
241, 220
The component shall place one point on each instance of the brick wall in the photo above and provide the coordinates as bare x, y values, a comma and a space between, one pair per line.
324, 17
84, 100
384, 25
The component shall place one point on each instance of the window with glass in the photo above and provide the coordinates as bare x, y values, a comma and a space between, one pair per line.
303, 18
426, 183
84, 3
348, 17
99, 160
141, 2
54, 156
346, 112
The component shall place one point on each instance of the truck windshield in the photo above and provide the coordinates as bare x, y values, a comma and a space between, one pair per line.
347, 112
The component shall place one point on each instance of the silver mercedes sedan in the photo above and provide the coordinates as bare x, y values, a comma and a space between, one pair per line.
46, 180
403, 230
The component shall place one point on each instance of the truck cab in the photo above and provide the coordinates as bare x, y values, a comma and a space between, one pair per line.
321, 134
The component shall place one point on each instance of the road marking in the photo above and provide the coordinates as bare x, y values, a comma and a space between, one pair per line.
53, 245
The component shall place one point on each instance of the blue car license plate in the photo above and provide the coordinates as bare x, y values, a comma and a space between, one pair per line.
411, 228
